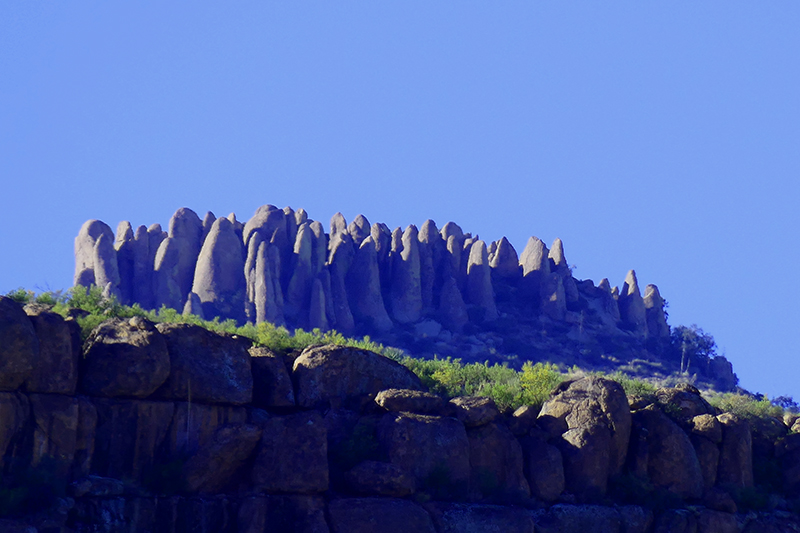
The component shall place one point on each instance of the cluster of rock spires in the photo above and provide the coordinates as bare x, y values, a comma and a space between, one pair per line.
172, 428
463, 296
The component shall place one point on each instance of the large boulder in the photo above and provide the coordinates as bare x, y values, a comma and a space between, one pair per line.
413, 401
364, 289
479, 281
544, 468
370, 515
505, 262
380, 479
736, 452
435, 450
193, 427
496, 463
672, 463
19, 345
292, 455
592, 417
55, 370
89, 234
272, 384
206, 366
406, 292
340, 376
655, 314
631, 306
684, 401
124, 358
219, 275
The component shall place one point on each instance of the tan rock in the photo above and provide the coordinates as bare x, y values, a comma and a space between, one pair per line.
124, 358
340, 376
736, 452
435, 450
496, 463
206, 366
474, 411
544, 468
707, 426
410, 400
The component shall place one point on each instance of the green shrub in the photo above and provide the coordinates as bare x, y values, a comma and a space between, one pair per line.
538, 381
745, 406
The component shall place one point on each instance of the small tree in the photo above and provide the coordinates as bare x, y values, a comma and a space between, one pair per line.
692, 345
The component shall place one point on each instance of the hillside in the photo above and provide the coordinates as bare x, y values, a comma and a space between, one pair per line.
429, 291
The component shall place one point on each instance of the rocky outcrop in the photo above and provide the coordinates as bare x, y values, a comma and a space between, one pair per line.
347, 440
219, 275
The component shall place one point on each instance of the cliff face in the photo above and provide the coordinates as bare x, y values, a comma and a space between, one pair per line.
431, 291
169, 427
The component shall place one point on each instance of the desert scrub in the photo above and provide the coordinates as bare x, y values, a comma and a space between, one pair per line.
743, 405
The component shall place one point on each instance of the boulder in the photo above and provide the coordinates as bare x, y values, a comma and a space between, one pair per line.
474, 411
219, 462
368, 515
298, 291
341, 257
106, 269
125, 245
459, 517
292, 455
479, 281
380, 479
206, 366
298, 514
707, 426
19, 345
338, 224
84, 438
340, 376
496, 463
317, 315
655, 315
535, 265
430, 252
434, 450
272, 384
544, 468
55, 370
708, 456
587, 403
142, 283
359, 229
186, 228
406, 293
736, 452
364, 289
452, 310
505, 262
413, 401
166, 273
85, 243
219, 275
685, 401
672, 461
129, 434
553, 298
124, 358
631, 306
265, 221
267, 292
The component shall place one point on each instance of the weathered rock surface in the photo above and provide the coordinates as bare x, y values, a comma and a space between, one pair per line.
55, 370
496, 463
292, 455
474, 411
631, 305
272, 384
479, 281
368, 515
435, 450
216, 465
124, 358
406, 292
380, 479
206, 366
413, 401
340, 375
219, 275
19, 345
544, 468
736, 452
456, 518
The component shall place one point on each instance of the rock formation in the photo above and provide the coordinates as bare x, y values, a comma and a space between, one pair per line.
174, 428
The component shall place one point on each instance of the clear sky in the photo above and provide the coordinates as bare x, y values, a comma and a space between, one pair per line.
658, 136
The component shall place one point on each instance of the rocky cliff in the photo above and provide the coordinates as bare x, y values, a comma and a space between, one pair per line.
171, 428
428, 290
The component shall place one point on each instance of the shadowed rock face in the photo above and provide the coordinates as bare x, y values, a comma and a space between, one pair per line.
219, 275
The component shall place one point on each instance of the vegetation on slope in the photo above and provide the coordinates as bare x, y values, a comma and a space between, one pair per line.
509, 388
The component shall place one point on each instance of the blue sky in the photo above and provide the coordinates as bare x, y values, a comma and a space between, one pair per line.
663, 137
